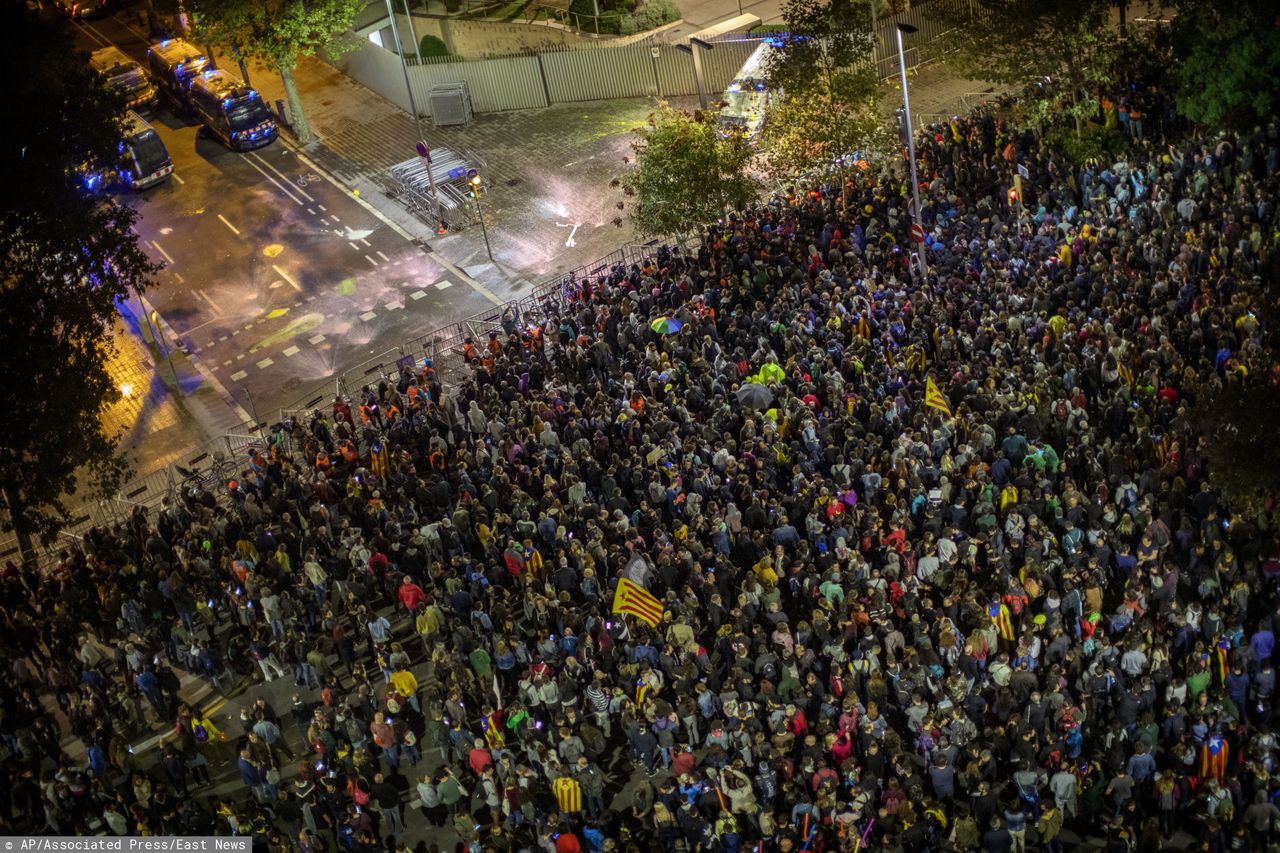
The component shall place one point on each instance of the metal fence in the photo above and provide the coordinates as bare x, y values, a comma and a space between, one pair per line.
636, 70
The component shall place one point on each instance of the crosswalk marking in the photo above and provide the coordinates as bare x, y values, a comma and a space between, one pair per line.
291, 351
238, 375
367, 316
315, 340
444, 285
265, 363
417, 294
391, 306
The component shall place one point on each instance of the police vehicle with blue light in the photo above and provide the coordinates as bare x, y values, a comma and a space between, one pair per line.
174, 63
232, 111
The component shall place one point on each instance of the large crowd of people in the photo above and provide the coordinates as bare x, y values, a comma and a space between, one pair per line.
993, 618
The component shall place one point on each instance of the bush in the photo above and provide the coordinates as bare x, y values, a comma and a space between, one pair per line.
655, 13
627, 25
432, 46
768, 30
1094, 143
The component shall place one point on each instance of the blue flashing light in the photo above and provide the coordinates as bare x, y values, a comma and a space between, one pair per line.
759, 87
165, 42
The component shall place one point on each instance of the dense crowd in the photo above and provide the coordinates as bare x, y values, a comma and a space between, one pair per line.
974, 623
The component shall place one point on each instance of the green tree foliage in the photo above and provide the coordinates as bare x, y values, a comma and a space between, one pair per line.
1227, 61
685, 174
280, 32
822, 69
66, 256
1017, 42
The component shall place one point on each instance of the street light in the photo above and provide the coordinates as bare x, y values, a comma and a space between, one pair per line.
423, 151
476, 182
911, 142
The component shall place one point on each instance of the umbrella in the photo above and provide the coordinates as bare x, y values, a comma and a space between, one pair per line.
754, 396
666, 325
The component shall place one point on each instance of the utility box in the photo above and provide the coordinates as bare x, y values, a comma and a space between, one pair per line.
450, 104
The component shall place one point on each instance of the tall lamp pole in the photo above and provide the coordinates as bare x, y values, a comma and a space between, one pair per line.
911, 140
476, 189
423, 151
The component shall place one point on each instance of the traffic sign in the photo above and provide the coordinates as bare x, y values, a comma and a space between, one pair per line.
423, 150
917, 233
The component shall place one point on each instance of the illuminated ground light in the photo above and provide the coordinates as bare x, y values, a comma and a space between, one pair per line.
126, 389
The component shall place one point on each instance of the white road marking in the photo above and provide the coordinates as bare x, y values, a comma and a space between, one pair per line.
310, 298
390, 223
216, 310
371, 260
276, 283
316, 339
282, 176
353, 245
235, 332
311, 210
248, 327
283, 187
162, 252
265, 363
367, 316
234, 230
226, 363
392, 306
384, 257
322, 207
240, 357
284, 275
177, 177
290, 352
238, 375
335, 219
222, 339
365, 242
417, 294
444, 285
180, 279
570, 243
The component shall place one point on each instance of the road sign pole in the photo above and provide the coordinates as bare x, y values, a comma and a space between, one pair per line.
424, 151
911, 143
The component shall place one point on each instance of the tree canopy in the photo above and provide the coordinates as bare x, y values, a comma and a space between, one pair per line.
66, 256
1227, 66
280, 32
821, 65
1017, 42
686, 174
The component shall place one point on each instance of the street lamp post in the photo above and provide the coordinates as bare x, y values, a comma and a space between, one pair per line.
476, 182
911, 141
413, 108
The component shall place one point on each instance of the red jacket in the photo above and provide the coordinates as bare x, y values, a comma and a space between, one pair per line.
412, 596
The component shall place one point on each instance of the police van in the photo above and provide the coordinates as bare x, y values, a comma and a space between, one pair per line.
174, 63
144, 161
125, 76
232, 111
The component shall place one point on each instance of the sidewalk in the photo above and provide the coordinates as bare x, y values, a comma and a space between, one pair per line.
548, 170
158, 425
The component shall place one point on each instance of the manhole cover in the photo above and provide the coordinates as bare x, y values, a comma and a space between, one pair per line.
511, 182
293, 383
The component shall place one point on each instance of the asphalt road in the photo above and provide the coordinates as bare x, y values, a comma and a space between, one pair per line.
276, 279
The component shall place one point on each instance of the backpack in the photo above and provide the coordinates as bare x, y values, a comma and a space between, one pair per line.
199, 732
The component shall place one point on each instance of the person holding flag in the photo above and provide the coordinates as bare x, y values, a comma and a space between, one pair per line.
933, 397
633, 599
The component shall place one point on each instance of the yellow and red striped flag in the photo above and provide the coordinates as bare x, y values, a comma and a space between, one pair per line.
933, 397
632, 598
1126, 374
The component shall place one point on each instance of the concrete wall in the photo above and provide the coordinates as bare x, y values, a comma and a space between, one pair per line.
485, 39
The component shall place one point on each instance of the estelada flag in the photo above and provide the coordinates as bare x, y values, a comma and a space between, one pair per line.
632, 598
933, 397
1126, 374
1213, 757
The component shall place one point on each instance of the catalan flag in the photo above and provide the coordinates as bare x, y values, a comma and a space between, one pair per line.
1161, 444
568, 795
1003, 621
1213, 757
863, 328
915, 359
379, 460
1126, 374
933, 397
632, 598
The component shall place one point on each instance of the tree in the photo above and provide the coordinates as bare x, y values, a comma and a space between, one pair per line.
66, 256
685, 173
822, 69
1019, 42
1226, 61
280, 32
